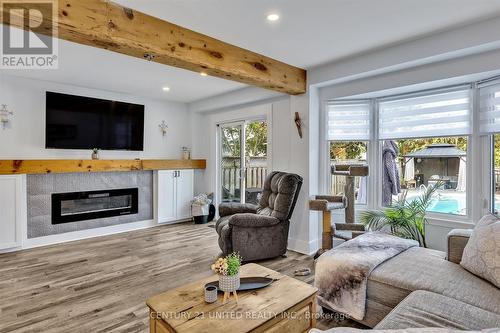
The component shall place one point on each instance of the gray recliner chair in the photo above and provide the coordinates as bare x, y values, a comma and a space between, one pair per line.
260, 231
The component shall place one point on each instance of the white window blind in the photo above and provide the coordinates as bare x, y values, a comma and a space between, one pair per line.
348, 121
489, 109
435, 114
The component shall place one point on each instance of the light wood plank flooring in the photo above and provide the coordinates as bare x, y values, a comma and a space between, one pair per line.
101, 284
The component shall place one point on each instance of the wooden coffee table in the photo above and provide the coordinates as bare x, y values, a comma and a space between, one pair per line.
287, 305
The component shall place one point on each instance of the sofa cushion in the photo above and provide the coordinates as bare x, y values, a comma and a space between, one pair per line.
427, 309
482, 253
424, 269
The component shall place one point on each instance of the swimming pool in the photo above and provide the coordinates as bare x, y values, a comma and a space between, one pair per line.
448, 202
446, 206
445, 202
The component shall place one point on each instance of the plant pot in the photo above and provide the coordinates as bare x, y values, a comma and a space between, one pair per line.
229, 283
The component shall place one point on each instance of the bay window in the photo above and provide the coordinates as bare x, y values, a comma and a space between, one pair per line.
489, 126
415, 140
349, 131
424, 162
418, 150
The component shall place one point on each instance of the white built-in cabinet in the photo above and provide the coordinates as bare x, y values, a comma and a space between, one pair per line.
175, 192
11, 211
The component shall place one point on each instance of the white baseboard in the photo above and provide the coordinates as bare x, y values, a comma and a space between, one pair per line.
88, 233
302, 246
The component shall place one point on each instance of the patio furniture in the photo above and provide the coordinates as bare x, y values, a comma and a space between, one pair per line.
444, 180
411, 184
252, 195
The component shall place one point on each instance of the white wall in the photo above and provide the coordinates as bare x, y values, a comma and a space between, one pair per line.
287, 151
444, 58
462, 55
26, 138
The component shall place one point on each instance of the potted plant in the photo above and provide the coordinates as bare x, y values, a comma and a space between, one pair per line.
405, 218
228, 269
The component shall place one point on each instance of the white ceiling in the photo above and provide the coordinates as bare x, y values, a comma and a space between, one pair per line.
313, 32
309, 33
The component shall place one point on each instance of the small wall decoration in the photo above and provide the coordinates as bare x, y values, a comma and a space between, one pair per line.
163, 127
298, 123
5, 116
95, 153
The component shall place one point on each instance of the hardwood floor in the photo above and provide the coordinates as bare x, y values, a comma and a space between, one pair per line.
101, 284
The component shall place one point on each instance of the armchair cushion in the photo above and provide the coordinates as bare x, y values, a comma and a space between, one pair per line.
252, 220
279, 195
231, 208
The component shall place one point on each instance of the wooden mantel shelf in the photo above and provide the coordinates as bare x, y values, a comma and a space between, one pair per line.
10, 167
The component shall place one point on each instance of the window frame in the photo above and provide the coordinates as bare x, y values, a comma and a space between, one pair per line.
329, 178
475, 167
437, 215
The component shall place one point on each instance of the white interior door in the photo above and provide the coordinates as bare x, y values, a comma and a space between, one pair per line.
185, 193
167, 198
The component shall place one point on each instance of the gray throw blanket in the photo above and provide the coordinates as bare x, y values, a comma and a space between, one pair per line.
341, 274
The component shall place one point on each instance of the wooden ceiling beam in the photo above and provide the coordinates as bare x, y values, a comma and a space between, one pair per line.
106, 25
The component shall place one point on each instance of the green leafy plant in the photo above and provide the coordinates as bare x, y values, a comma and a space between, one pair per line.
229, 265
233, 263
405, 218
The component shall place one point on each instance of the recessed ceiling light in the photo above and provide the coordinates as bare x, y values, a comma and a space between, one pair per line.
166, 88
273, 17
203, 74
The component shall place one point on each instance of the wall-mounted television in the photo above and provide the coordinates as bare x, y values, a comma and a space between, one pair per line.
76, 122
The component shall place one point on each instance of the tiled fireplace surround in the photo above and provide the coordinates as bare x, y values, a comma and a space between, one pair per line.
41, 186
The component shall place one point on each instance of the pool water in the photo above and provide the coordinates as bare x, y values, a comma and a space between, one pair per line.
447, 206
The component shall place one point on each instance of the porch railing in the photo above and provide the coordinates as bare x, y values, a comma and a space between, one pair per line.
255, 177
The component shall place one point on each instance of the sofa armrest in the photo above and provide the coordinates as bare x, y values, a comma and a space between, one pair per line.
457, 239
231, 208
252, 221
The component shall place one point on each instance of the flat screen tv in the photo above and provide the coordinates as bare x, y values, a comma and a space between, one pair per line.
76, 122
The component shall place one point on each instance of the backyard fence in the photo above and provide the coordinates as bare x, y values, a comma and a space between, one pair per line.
337, 182
256, 173
255, 177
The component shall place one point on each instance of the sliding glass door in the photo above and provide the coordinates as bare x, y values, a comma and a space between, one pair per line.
242, 160
232, 162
